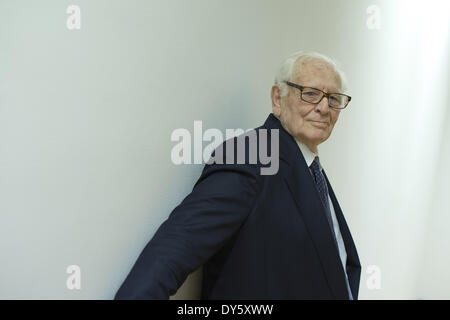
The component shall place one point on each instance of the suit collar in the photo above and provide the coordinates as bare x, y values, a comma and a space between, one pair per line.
307, 153
301, 185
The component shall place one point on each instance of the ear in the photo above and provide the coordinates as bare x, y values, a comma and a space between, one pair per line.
275, 94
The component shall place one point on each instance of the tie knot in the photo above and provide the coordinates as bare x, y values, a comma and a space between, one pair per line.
315, 166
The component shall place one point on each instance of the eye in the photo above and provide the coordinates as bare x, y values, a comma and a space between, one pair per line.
310, 93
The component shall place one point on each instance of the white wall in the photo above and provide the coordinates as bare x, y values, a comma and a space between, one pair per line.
434, 276
86, 117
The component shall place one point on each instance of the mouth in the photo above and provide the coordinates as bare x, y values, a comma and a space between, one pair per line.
320, 123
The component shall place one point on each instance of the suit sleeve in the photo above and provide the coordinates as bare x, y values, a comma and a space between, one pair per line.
197, 228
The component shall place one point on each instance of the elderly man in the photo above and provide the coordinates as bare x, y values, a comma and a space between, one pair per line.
280, 236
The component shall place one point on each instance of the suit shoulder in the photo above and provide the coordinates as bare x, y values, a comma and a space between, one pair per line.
255, 151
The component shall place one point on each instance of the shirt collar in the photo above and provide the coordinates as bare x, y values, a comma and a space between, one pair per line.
307, 153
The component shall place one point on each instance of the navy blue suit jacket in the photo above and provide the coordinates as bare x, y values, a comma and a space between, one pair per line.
257, 236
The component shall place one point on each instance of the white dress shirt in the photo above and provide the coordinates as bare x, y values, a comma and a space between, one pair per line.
309, 158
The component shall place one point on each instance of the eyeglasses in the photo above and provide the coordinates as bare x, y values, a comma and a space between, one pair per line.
313, 95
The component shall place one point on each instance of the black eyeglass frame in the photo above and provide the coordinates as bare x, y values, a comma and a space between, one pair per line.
324, 94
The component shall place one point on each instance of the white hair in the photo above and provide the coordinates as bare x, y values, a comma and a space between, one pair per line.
285, 71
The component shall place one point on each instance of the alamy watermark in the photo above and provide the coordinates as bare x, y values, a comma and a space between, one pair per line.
74, 19
374, 279
258, 143
373, 21
73, 281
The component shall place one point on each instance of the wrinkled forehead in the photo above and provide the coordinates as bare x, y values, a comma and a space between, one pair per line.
316, 73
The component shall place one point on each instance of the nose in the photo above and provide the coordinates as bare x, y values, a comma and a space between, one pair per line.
322, 106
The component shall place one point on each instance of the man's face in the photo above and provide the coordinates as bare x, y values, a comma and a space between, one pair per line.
309, 123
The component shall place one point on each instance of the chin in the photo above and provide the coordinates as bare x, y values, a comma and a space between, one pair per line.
320, 137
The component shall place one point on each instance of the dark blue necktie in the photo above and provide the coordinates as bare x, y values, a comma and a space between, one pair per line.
322, 188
